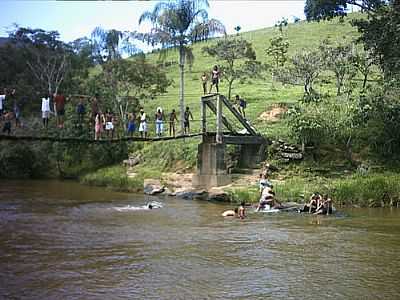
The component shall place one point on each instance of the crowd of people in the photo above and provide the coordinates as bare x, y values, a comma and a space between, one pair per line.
105, 124
318, 204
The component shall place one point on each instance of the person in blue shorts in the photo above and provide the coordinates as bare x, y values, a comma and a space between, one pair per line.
131, 123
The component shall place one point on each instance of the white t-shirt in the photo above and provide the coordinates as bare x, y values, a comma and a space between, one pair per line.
45, 104
2, 98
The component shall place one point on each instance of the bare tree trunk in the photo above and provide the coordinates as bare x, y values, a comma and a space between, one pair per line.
365, 80
349, 151
181, 86
230, 89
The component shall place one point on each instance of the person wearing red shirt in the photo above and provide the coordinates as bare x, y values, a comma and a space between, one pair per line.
59, 105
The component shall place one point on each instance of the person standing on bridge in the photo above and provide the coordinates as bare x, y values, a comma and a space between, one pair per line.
204, 80
80, 109
215, 76
2, 99
8, 116
241, 105
46, 110
131, 123
187, 115
143, 124
94, 105
172, 120
98, 125
159, 121
59, 107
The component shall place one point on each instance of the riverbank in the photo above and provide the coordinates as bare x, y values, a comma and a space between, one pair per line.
355, 189
172, 164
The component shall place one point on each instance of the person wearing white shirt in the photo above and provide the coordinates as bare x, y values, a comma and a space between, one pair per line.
2, 99
143, 124
45, 111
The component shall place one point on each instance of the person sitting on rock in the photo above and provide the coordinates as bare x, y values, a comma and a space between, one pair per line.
267, 199
264, 182
311, 207
324, 206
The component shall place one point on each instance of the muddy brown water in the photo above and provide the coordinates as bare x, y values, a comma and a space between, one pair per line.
61, 240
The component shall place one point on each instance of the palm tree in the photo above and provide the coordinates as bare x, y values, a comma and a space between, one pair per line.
111, 44
177, 25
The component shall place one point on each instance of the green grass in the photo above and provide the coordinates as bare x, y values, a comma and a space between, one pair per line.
114, 178
369, 190
258, 93
261, 95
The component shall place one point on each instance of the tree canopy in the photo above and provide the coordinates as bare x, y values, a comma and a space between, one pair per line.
316, 10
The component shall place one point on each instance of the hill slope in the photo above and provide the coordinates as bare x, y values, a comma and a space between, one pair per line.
259, 93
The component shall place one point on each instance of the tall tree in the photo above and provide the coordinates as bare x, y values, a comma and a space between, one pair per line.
178, 24
363, 62
380, 35
125, 82
339, 59
47, 57
316, 10
239, 60
111, 44
379, 31
305, 69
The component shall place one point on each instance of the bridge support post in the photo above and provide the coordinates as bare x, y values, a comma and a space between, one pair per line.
251, 155
211, 167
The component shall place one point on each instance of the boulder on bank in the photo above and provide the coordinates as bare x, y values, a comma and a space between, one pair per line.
132, 161
153, 187
217, 194
192, 194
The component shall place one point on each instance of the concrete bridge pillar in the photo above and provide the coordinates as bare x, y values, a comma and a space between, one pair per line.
251, 155
211, 166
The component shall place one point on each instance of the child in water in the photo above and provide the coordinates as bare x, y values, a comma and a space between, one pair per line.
242, 210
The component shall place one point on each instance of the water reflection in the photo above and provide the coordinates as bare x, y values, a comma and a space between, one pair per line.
63, 240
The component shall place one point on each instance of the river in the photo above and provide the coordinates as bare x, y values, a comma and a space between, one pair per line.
62, 240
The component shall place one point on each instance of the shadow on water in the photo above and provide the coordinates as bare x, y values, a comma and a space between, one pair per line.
62, 240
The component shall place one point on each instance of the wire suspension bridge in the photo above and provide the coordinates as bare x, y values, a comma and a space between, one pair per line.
231, 128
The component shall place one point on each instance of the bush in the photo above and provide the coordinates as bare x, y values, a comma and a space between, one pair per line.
24, 160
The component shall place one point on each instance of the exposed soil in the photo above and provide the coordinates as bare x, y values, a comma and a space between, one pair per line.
273, 114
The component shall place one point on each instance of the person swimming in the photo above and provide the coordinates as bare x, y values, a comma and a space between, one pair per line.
230, 213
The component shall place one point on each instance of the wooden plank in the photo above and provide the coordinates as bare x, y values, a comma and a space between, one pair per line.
238, 116
224, 120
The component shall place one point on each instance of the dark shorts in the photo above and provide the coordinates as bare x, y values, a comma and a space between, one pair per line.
60, 112
7, 127
186, 123
215, 81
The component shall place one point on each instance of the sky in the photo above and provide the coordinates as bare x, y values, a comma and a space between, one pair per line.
74, 19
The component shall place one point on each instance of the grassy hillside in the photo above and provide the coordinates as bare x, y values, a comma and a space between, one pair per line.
259, 93
327, 172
